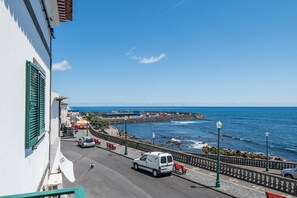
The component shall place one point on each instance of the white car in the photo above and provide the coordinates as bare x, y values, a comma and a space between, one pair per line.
290, 173
155, 162
86, 141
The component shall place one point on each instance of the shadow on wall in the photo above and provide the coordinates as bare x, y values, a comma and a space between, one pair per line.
55, 109
21, 16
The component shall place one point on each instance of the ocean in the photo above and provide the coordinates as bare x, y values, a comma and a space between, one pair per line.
243, 128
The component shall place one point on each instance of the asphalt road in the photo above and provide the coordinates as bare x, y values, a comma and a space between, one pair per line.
114, 177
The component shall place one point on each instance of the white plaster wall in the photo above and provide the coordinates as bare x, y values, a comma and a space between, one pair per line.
43, 23
21, 169
55, 118
64, 112
55, 139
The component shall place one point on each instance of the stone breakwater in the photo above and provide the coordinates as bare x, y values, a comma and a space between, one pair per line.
156, 117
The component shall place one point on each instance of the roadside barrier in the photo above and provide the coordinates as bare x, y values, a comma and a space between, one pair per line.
179, 168
110, 146
272, 195
97, 141
278, 183
279, 165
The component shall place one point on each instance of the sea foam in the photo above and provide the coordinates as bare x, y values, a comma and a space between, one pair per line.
183, 122
199, 144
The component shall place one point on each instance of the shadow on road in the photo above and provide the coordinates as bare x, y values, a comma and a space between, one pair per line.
150, 174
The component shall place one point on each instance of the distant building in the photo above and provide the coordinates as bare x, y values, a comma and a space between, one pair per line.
29, 128
64, 112
120, 113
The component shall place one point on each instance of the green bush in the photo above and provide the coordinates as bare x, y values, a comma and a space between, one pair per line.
97, 122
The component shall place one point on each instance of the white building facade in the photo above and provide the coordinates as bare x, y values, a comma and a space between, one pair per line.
25, 86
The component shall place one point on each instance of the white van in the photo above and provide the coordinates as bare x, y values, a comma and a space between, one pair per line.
155, 162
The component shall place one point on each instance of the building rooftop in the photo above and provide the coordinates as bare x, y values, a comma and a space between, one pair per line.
65, 10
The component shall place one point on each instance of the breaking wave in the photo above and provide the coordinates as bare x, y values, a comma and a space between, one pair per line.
198, 144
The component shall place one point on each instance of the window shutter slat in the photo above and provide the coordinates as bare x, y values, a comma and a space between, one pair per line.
41, 102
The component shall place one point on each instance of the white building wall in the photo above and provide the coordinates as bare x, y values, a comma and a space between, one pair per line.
55, 118
55, 139
41, 20
21, 170
64, 112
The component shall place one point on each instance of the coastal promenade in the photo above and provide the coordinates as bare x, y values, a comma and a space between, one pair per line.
229, 185
113, 176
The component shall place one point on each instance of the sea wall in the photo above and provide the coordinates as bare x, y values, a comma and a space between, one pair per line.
156, 117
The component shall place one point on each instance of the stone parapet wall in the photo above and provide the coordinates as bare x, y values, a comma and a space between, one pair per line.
279, 165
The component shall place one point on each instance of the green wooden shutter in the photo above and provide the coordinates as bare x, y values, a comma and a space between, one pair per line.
32, 110
41, 102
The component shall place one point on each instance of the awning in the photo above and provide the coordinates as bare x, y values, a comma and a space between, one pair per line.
67, 168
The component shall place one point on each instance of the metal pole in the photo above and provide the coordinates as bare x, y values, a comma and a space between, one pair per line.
126, 142
218, 184
60, 119
87, 128
267, 162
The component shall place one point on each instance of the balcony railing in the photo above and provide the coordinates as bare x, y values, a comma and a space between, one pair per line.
77, 192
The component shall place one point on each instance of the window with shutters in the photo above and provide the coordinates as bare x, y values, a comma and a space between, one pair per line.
35, 97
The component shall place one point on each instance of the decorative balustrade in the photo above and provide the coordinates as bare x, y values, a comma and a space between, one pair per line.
279, 165
264, 179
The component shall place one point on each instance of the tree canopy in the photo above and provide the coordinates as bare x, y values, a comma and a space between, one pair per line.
97, 122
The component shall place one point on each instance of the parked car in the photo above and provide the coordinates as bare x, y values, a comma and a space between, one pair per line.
155, 162
86, 141
290, 173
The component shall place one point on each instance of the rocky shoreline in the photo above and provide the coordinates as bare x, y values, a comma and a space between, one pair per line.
238, 153
206, 149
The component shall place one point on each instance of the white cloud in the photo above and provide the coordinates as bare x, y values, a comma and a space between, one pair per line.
61, 66
153, 59
145, 60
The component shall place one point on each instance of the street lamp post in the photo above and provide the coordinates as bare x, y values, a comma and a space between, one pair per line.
87, 128
218, 184
153, 137
126, 142
267, 162
87, 124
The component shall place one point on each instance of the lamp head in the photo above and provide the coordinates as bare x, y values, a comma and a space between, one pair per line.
125, 118
219, 125
267, 134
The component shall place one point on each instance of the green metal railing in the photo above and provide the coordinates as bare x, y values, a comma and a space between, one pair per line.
77, 192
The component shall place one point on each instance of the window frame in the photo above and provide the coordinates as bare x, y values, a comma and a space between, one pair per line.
161, 158
169, 157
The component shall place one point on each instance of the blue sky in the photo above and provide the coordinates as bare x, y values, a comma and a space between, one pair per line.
178, 52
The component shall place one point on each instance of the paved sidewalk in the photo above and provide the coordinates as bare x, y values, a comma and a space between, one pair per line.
229, 185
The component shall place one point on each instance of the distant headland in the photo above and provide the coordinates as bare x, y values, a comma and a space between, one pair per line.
118, 117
